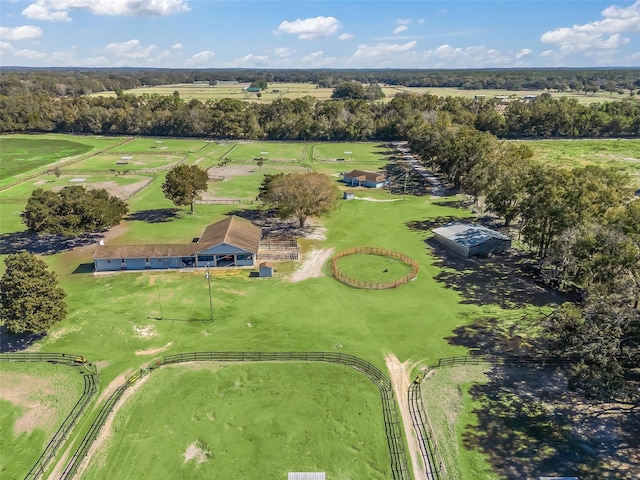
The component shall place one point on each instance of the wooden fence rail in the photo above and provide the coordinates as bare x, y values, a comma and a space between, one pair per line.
354, 282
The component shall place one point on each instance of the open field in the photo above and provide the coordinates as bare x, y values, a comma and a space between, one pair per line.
247, 421
620, 154
122, 321
373, 268
298, 90
120, 163
34, 400
160, 145
272, 151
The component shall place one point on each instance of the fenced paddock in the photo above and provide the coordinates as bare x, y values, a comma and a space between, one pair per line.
392, 426
383, 252
90, 378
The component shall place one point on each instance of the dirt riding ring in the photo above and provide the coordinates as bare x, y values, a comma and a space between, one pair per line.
373, 268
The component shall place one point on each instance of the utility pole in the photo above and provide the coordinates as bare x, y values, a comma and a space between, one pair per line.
208, 275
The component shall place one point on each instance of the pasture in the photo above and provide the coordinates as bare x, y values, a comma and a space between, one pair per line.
276, 91
247, 152
121, 163
247, 421
620, 154
123, 321
34, 400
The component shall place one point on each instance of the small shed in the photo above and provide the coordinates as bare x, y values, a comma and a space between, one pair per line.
470, 240
266, 270
348, 195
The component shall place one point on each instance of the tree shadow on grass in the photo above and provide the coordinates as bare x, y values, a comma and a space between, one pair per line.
11, 243
159, 215
16, 342
500, 280
529, 425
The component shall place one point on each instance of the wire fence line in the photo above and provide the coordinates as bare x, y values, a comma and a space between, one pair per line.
393, 429
91, 380
357, 283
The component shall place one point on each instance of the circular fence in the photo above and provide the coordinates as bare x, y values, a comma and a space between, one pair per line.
383, 252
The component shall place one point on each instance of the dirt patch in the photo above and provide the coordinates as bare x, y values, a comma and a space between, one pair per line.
399, 375
154, 351
233, 170
27, 391
196, 451
148, 331
312, 265
369, 199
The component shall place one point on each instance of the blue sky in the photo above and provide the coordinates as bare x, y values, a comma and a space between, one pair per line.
319, 34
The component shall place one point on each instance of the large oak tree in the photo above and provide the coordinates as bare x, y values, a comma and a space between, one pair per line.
30, 298
184, 184
299, 195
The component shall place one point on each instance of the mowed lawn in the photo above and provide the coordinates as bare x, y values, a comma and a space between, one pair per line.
218, 421
34, 400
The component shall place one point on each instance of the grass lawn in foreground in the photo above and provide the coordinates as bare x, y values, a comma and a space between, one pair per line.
248, 421
34, 400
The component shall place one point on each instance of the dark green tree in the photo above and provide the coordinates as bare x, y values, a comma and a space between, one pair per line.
300, 195
351, 90
184, 184
72, 211
30, 298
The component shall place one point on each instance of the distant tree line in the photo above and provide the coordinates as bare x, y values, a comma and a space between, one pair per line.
341, 119
83, 81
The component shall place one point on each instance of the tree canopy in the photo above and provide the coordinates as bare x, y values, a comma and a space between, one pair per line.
299, 195
72, 211
30, 298
184, 184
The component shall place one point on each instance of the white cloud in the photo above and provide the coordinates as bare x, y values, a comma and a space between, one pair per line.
523, 53
37, 11
404, 21
477, 56
599, 34
59, 9
177, 46
283, 52
199, 58
400, 29
250, 60
317, 60
381, 53
30, 54
546, 53
345, 36
131, 50
23, 32
310, 28
420, 20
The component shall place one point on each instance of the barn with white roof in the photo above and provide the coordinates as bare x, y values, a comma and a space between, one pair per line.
470, 240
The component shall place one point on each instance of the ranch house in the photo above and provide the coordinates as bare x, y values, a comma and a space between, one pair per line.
471, 240
362, 178
232, 242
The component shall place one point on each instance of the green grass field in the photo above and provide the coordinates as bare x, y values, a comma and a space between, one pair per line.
270, 151
298, 90
34, 400
620, 154
107, 313
248, 421
129, 162
19, 155
373, 268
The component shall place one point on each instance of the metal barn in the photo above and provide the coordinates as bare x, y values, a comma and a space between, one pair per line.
471, 240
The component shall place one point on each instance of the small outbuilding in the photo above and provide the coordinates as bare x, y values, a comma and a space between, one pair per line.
348, 195
363, 178
470, 240
266, 270
306, 476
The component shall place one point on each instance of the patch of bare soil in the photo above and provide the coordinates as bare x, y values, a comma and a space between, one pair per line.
196, 452
399, 375
25, 391
154, 351
233, 170
148, 331
312, 265
369, 199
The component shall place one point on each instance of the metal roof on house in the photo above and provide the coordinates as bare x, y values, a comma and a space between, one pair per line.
363, 175
232, 230
467, 234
